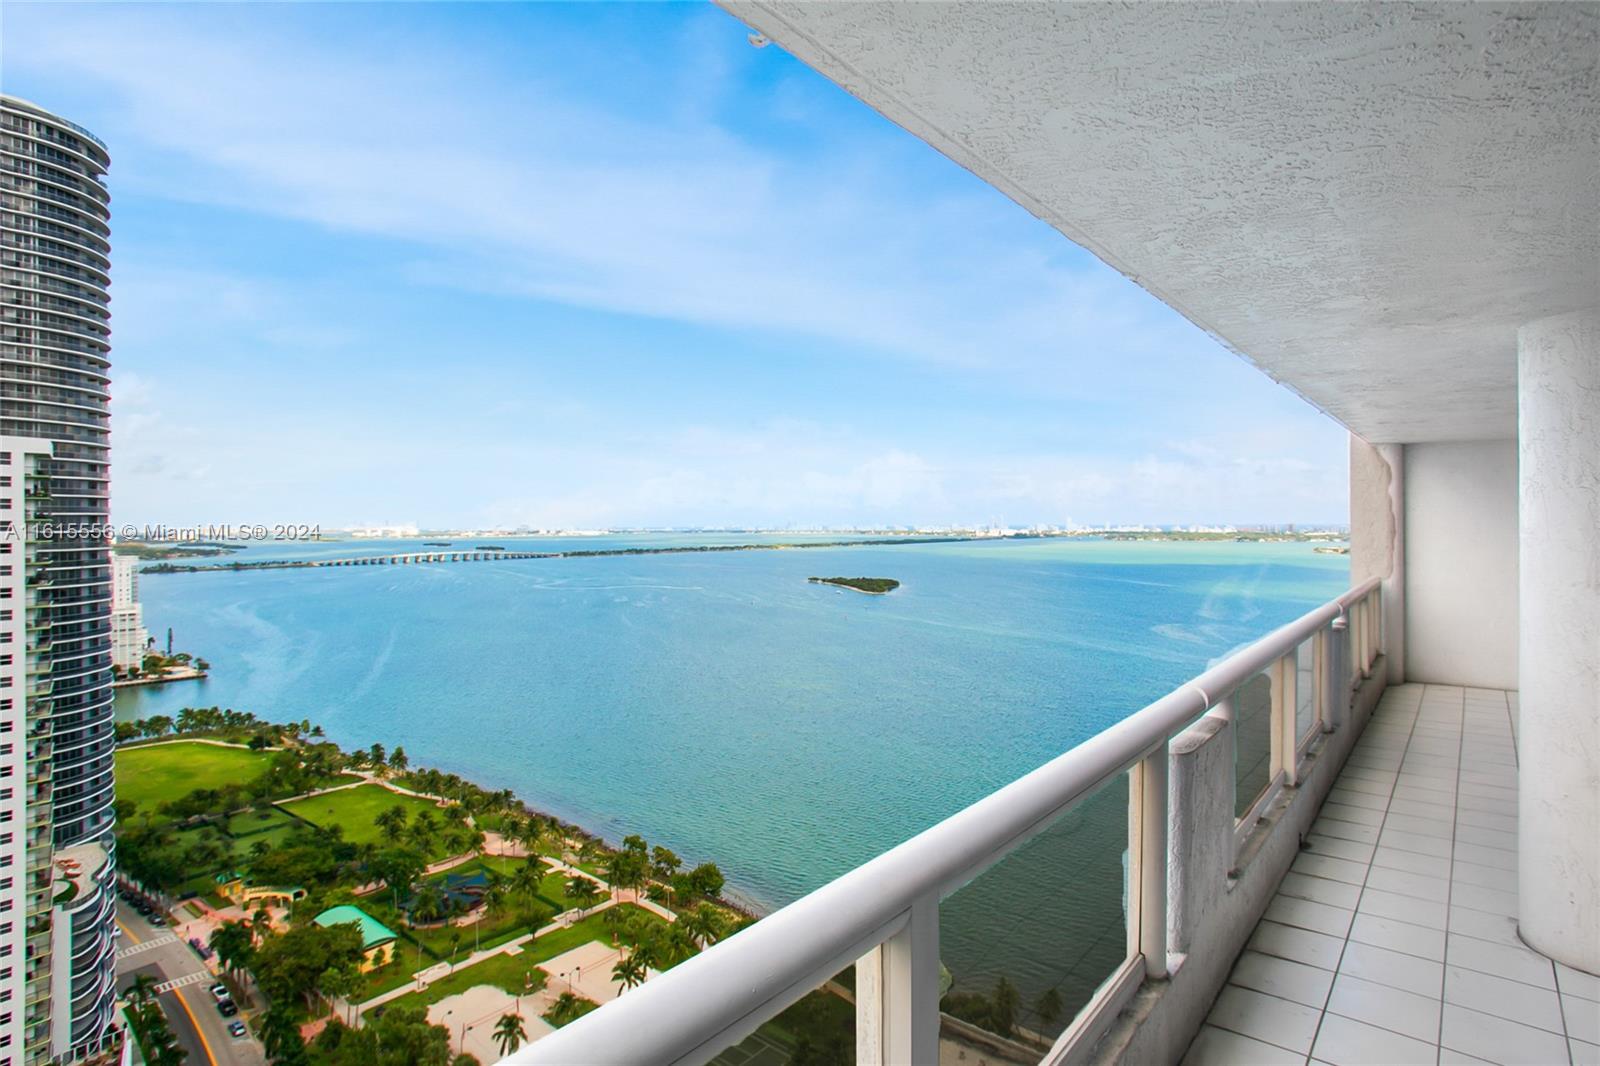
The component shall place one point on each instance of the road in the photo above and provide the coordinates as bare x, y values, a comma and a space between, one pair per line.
185, 998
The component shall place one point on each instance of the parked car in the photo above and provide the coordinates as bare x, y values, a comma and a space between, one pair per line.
237, 1030
156, 920
200, 947
142, 907
227, 1008
219, 992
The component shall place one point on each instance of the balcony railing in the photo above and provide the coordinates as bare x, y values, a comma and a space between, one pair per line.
1278, 695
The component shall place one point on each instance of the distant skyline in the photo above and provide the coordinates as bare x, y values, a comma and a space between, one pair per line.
586, 266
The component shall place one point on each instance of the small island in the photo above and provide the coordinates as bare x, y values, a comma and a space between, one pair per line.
872, 586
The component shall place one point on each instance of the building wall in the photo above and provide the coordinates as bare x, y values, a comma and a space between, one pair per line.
1461, 563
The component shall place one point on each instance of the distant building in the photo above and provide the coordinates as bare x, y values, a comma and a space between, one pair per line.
129, 638
377, 939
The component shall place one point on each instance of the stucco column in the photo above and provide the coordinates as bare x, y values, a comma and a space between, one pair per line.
1558, 860
1377, 537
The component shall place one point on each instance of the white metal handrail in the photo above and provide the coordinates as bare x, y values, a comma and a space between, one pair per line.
886, 910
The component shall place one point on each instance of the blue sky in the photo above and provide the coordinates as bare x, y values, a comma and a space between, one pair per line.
604, 265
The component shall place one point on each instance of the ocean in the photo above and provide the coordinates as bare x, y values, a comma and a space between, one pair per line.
721, 705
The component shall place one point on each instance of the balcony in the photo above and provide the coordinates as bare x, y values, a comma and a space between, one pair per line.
1312, 851
1394, 936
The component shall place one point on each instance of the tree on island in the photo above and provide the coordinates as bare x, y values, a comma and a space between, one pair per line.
375, 757
398, 761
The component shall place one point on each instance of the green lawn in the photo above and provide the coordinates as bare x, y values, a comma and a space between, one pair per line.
509, 971
356, 811
151, 775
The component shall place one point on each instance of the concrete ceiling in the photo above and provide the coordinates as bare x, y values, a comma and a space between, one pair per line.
1364, 200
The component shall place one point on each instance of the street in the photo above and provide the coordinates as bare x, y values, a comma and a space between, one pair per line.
183, 983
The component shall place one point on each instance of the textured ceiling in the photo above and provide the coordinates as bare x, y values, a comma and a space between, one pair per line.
1364, 200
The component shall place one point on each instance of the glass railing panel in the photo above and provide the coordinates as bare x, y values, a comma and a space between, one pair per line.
1025, 946
1252, 738
1305, 690
820, 1028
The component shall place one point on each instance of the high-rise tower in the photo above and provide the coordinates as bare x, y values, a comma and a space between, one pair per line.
57, 853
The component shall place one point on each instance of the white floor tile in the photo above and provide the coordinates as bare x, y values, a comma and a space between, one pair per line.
1277, 1021
1382, 966
1479, 855
1293, 981
1577, 983
1320, 889
1306, 914
1218, 1047
1346, 1042
1299, 945
1502, 998
1475, 897
1498, 928
1511, 961
1349, 871
1470, 873
1346, 813
1333, 827
1411, 862
1403, 908
1409, 884
1404, 841
1499, 1040
1388, 1008
1582, 1019
1398, 936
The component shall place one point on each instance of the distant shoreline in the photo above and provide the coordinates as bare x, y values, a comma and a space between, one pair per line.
311, 564
390, 558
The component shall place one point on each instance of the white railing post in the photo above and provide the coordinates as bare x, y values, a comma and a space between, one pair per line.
1147, 861
1340, 676
869, 1008
1321, 649
1284, 698
1376, 644
906, 991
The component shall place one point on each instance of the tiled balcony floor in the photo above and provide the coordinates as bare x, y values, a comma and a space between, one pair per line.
1393, 938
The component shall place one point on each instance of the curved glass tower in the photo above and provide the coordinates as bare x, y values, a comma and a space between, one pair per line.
54, 349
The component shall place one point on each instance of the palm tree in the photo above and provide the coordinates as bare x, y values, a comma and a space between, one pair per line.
629, 972
278, 1031
528, 878
582, 891
703, 923
392, 822
429, 904
143, 989
509, 1033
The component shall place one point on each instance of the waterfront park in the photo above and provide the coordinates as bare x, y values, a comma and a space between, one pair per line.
350, 899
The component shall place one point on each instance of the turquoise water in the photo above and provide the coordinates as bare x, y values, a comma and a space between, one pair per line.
719, 703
